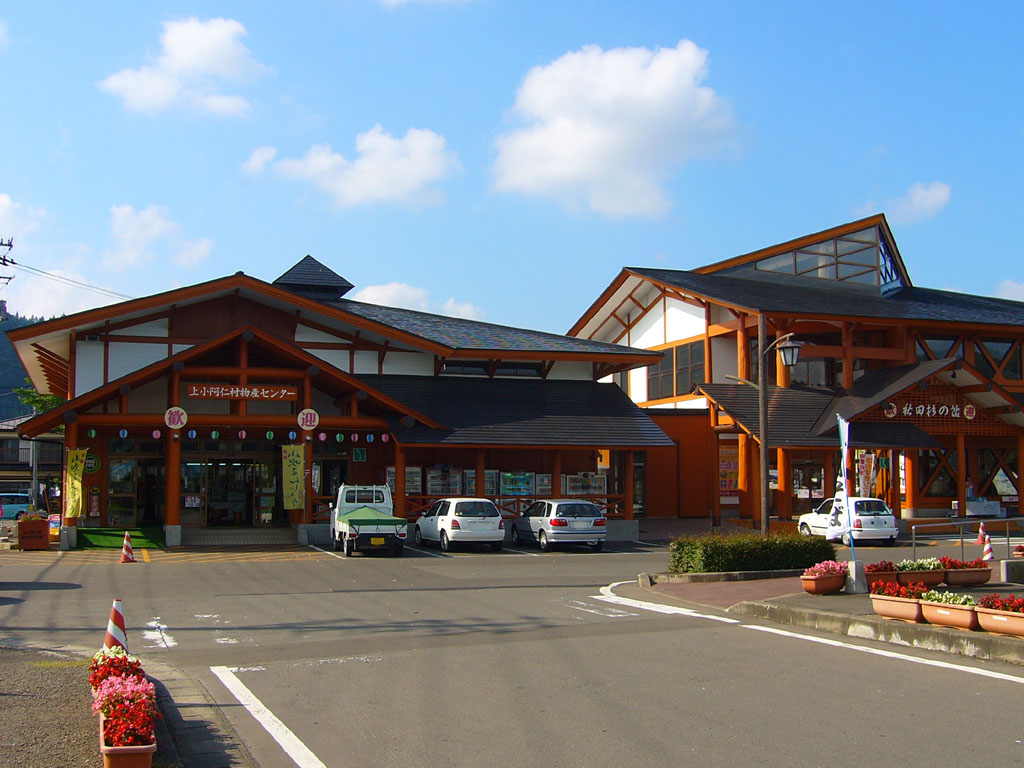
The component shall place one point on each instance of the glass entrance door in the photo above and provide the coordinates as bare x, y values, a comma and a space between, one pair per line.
229, 493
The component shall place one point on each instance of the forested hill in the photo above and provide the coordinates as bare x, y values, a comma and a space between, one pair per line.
12, 375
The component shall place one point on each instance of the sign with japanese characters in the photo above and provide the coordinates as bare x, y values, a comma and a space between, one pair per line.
293, 471
209, 391
175, 417
308, 418
930, 410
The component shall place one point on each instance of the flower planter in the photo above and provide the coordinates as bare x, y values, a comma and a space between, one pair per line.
966, 577
889, 577
126, 757
823, 585
900, 608
947, 615
1001, 622
928, 578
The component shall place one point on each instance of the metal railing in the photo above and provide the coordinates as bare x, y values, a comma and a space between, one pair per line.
961, 524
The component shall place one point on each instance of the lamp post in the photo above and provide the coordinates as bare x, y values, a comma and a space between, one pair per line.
789, 350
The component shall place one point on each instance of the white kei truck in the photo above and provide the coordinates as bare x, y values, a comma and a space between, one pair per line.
362, 519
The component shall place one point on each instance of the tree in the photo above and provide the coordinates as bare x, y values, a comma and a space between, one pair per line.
39, 402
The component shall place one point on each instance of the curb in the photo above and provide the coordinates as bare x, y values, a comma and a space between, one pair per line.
979, 645
650, 579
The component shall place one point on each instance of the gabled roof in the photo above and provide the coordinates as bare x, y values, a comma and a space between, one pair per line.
323, 373
519, 412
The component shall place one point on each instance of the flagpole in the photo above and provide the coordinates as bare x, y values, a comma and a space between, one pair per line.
844, 442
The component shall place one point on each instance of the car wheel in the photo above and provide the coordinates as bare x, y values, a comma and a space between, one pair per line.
846, 539
543, 541
337, 543
890, 542
596, 546
445, 544
347, 548
417, 536
514, 536
805, 529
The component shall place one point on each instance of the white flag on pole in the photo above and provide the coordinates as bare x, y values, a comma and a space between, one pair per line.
839, 521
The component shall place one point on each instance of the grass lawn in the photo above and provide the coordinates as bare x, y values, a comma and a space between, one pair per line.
113, 538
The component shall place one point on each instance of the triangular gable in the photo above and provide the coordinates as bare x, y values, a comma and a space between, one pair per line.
68, 411
310, 276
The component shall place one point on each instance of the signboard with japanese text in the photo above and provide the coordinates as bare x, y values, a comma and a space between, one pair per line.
208, 391
76, 464
293, 471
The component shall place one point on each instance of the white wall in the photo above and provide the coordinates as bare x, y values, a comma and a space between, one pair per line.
366, 362
411, 363
305, 333
574, 371
336, 357
148, 398
638, 385
156, 328
126, 358
88, 366
650, 331
723, 359
684, 321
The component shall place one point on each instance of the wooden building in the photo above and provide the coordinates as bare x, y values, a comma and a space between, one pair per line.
931, 381
186, 399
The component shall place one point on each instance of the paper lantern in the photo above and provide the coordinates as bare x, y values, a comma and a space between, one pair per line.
192, 434
123, 434
270, 435
156, 434
339, 437
215, 434
322, 436
355, 437
241, 434
91, 433
369, 438
291, 435
384, 438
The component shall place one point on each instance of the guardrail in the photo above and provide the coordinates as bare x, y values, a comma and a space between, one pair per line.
961, 524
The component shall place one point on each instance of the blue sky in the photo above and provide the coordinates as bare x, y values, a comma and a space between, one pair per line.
499, 159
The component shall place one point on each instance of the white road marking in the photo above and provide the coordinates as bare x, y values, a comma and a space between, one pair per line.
332, 554
522, 552
295, 749
608, 595
425, 551
158, 635
225, 640
611, 613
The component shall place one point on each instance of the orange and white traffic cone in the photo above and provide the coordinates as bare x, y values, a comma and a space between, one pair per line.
127, 556
981, 533
116, 635
986, 554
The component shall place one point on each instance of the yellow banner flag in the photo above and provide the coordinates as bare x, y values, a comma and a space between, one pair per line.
76, 463
293, 468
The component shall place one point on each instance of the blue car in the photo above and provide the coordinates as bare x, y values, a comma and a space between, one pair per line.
14, 505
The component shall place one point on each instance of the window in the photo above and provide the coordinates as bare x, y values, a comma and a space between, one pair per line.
364, 496
9, 450
475, 509
680, 369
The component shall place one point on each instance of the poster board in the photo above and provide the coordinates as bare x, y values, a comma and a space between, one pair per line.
444, 482
490, 482
517, 483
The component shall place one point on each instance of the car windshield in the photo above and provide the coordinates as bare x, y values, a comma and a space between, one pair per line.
577, 510
476, 509
872, 507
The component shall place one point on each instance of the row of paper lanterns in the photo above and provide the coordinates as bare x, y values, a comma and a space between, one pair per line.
242, 434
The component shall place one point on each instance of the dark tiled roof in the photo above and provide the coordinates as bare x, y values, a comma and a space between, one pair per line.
833, 298
519, 412
310, 276
796, 416
460, 333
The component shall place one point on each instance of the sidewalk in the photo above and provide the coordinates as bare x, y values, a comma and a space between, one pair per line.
783, 601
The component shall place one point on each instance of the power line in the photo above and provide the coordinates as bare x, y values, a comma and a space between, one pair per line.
6, 260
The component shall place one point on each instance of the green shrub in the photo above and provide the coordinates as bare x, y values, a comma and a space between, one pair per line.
710, 553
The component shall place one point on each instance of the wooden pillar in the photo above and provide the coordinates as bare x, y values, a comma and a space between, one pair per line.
784, 496
627, 503
961, 476
847, 355
243, 379
399, 499
481, 473
556, 475
910, 472
307, 513
754, 473
715, 475
709, 368
1020, 470
829, 484
894, 483
172, 479
743, 370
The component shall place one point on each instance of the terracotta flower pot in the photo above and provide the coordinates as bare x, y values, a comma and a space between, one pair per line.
1001, 622
965, 577
823, 585
946, 615
901, 608
928, 578
126, 757
889, 577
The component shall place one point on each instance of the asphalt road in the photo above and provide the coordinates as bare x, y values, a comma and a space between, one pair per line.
481, 659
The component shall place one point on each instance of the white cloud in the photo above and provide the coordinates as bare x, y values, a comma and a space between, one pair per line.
43, 297
922, 201
385, 169
394, 295
1010, 289
18, 219
258, 160
197, 58
410, 297
606, 129
139, 236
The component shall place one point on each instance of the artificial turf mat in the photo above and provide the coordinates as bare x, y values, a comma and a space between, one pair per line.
113, 538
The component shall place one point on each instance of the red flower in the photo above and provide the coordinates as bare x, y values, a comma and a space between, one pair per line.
891, 589
883, 566
956, 565
997, 602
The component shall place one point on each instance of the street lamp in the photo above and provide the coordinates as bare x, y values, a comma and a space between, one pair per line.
789, 351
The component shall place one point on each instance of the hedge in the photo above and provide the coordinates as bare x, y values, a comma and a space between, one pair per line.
710, 553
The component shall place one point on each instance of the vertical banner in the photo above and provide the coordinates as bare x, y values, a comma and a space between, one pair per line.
837, 527
293, 482
76, 464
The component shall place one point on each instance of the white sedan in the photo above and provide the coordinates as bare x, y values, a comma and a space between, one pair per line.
449, 521
871, 520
